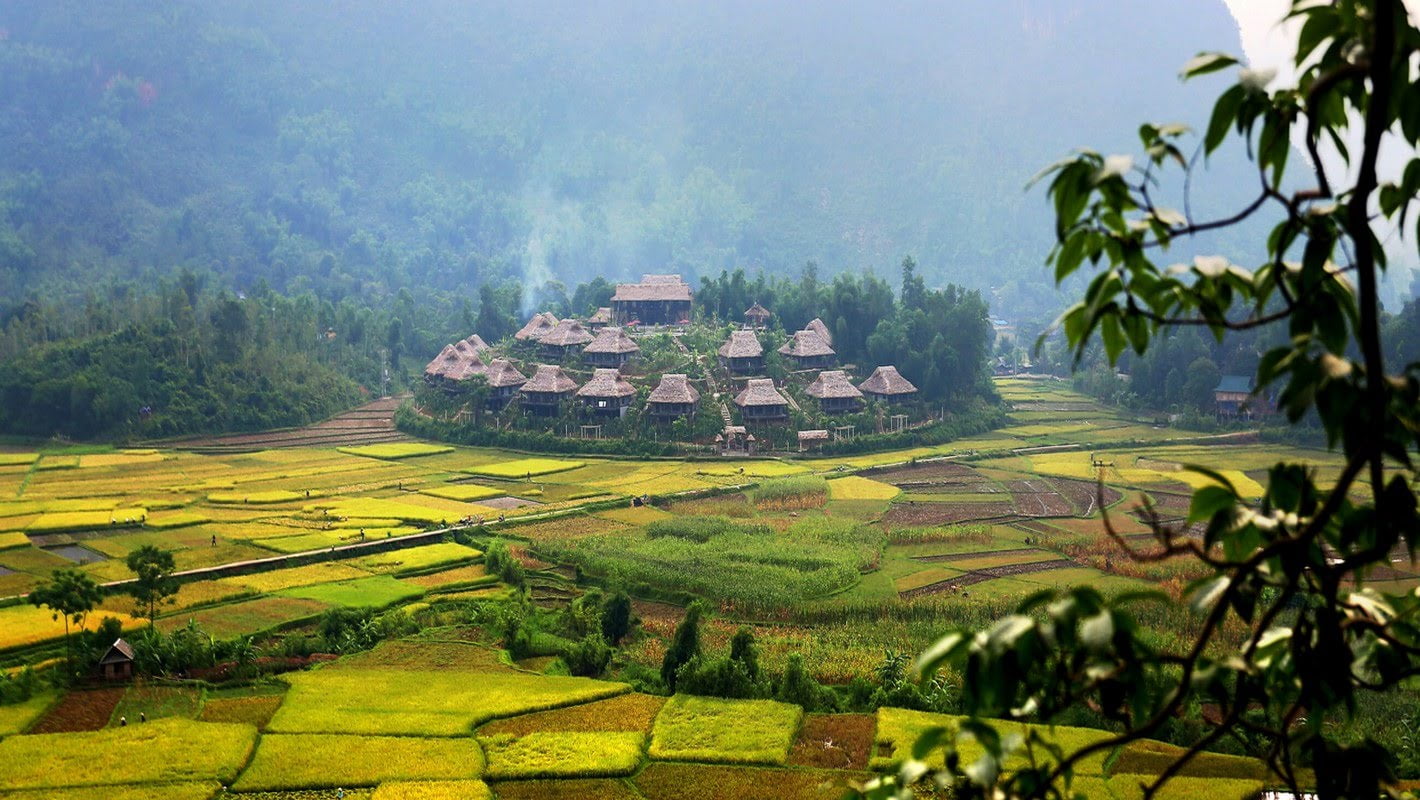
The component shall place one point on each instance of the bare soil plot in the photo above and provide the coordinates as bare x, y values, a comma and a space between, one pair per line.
86, 710
834, 741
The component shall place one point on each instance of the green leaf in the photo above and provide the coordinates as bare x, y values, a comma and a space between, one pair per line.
1225, 113
1204, 63
1209, 593
944, 650
1208, 501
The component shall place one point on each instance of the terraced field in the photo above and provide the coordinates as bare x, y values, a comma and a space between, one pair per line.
270, 537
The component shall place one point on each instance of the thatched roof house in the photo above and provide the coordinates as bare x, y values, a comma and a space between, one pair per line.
888, 384
504, 380
834, 392
606, 393
761, 401
673, 397
816, 325
742, 353
456, 362
809, 350
467, 367
656, 300
548, 387
812, 440
447, 358
541, 323
565, 337
611, 348
757, 316
476, 342
600, 319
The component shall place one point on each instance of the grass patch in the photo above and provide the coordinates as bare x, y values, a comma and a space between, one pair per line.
710, 729
583, 789
628, 712
563, 754
167, 791
433, 790
86, 520
898, 730
791, 493
247, 617
255, 498
16, 717
855, 487
166, 750
464, 492
322, 761
396, 450
422, 702
158, 702
24, 624
176, 519
416, 558
374, 591
276, 580
524, 467
255, 710
1128, 787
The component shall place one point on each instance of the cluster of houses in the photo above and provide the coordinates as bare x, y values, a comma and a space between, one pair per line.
602, 341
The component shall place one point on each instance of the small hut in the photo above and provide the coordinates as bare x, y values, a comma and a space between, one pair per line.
886, 383
117, 663
546, 390
735, 439
504, 380
742, 354
808, 350
606, 394
611, 348
816, 325
835, 393
565, 338
443, 362
812, 440
757, 316
761, 402
540, 324
599, 320
673, 397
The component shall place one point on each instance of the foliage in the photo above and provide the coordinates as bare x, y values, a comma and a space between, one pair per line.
684, 646
616, 618
798, 492
314, 761
165, 750
16, 714
1304, 642
563, 754
153, 582
70, 594
588, 657
500, 561
693, 728
374, 591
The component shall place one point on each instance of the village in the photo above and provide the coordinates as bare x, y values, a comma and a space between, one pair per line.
652, 364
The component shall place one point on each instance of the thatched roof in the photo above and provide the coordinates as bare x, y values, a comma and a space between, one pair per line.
806, 344
446, 358
813, 436
606, 383
502, 373
816, 325
465, 349
757, 311
887, 381
742, 344
760, 392
567, 333
467, 367
832, 384
612, 340
674, 388
551, 379
540, 323
476, 342
653, 287
602, 317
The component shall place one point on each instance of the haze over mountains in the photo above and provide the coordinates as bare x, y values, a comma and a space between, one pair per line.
363, 147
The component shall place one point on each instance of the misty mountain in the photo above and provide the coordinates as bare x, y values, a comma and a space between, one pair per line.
358, 148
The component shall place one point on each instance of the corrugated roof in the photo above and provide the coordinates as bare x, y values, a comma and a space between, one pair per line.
550, 379
806, 344
760, 392
501, 373
816, 325
887, 381
567, 333
742, 344
674, 388
1235, 384
612, 340
118, 652
606, 383
832, 384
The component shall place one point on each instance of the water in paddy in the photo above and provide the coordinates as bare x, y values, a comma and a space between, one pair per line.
76, 553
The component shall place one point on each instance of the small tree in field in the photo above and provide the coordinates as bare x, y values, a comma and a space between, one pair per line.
70, 594
1290, 636
153, 584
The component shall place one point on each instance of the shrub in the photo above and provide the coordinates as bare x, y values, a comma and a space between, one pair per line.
616, 617
588, 657
797, 686
796, 492
685, 645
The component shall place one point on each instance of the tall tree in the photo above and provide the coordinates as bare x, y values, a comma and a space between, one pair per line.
1290, 637
70, 594
153, 582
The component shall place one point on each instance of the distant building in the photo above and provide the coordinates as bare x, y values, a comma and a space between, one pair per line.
457, 362
757, 316
812, 440
606, 394
835, 393
761, 402
565, 339
886, 383
742, 353
673, 397
543, 394
611, 348
117, 663
504, 381
816, 325
656, 300
808, 350
599, 320
1233, 397
540, 324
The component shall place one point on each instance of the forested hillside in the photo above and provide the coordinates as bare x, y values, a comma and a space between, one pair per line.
355, 149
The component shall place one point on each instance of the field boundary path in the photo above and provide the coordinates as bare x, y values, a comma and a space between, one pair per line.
371, 423
982, 575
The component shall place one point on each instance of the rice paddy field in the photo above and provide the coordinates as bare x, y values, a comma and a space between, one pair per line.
835, 559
